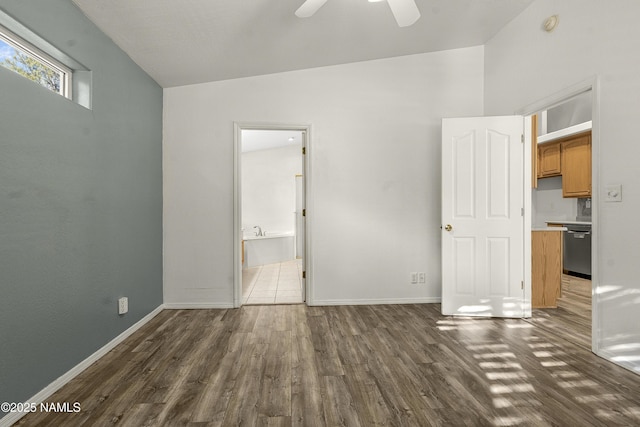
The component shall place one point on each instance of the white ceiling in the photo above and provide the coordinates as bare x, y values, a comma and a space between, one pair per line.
254, 140
195, 41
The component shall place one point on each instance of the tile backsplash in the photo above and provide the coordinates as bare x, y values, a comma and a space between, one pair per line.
584, 210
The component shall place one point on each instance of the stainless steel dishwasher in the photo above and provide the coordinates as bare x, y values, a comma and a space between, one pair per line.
577, 249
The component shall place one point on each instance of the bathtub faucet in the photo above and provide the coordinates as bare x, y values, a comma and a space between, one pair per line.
259, 232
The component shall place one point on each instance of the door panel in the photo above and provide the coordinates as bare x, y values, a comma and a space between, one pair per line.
498, 183
464, 176
464, 279
498, 261
482, 200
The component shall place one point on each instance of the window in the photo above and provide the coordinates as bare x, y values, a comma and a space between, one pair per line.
28, 54
20, 56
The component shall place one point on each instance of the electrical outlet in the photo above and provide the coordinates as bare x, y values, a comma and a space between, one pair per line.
414, 277
123, 305
422, 277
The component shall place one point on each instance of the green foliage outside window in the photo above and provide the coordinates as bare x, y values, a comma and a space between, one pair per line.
33, 70
30, 66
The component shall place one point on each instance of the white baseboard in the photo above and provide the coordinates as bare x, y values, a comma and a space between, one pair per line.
41, 396
427, 300
195, 306
631, 365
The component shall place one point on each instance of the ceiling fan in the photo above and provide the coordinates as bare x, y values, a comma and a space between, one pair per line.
405, 11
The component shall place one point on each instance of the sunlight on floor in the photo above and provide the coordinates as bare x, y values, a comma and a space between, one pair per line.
515, 373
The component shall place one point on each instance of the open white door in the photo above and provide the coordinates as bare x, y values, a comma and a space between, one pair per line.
482, 216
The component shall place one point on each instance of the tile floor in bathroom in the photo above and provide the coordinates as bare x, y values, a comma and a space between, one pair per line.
279, 283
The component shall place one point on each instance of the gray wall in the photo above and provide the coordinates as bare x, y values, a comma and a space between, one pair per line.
80, 204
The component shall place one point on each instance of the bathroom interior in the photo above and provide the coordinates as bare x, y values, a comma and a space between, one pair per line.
272, 188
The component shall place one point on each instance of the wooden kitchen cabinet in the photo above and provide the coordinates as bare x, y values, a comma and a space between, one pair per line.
546, 268
549, 160
576, 166
569, 157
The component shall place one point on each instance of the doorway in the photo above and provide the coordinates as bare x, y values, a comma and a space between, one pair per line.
564, 122
269, 218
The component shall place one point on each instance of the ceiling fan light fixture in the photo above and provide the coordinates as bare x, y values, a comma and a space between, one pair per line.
309, 7
405, 12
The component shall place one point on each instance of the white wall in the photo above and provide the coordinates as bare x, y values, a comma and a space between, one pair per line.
375, 173
523, 64
269, 189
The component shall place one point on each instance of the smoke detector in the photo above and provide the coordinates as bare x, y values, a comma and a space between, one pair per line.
551, 23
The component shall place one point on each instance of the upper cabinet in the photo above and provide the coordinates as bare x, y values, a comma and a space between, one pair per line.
569, 157
576, 166
561, 137
549, 163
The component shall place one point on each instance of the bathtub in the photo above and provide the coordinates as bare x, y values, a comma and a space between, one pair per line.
269, 249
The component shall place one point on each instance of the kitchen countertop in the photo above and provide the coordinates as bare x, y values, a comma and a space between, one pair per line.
549, 228
561, 221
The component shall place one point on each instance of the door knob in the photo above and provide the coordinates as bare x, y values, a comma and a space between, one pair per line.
448, 227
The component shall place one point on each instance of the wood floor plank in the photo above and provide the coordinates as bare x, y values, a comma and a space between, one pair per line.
275, 393
143, 414
339, 408
274, 421
307, 407
243, 404
402, 365
215, 396
366, 396
299, 324
325, 347
399, 389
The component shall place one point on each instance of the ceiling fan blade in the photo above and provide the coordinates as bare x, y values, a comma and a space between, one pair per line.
405, 11
309, 7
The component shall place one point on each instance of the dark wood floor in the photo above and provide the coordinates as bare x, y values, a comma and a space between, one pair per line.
348, 366
572, 318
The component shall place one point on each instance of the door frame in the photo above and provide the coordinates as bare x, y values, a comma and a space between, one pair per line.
238, 127
592, 84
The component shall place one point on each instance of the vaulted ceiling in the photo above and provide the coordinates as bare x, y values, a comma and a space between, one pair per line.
193, 41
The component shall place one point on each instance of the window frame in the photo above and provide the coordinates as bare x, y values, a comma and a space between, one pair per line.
24, 47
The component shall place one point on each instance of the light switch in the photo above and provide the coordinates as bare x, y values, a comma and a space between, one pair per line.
613, 193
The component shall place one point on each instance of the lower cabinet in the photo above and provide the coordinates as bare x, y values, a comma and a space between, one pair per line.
546, 268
